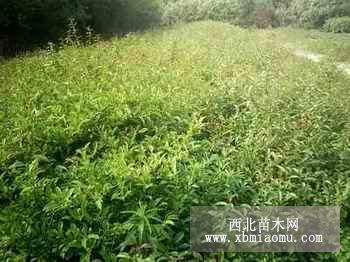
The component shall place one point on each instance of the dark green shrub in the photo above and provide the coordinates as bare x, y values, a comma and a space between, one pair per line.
314, 13
338, 25
32, 23
243, 13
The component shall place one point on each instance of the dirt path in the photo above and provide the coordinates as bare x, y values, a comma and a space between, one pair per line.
308, 55
344, 67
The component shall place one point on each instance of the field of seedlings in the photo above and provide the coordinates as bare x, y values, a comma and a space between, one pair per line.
105, 148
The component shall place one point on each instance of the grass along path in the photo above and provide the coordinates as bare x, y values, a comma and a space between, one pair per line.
335, 46
344, 67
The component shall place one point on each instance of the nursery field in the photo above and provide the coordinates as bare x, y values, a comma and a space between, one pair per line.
105, 148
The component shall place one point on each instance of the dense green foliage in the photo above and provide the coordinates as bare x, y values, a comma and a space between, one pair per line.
29, 23
316, 12
244, 13
338, 25
260, 13
111, 144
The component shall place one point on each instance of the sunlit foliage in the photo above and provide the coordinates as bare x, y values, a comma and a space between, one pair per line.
104, 148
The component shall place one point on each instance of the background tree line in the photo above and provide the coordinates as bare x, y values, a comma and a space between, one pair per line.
259, 13
31, 23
